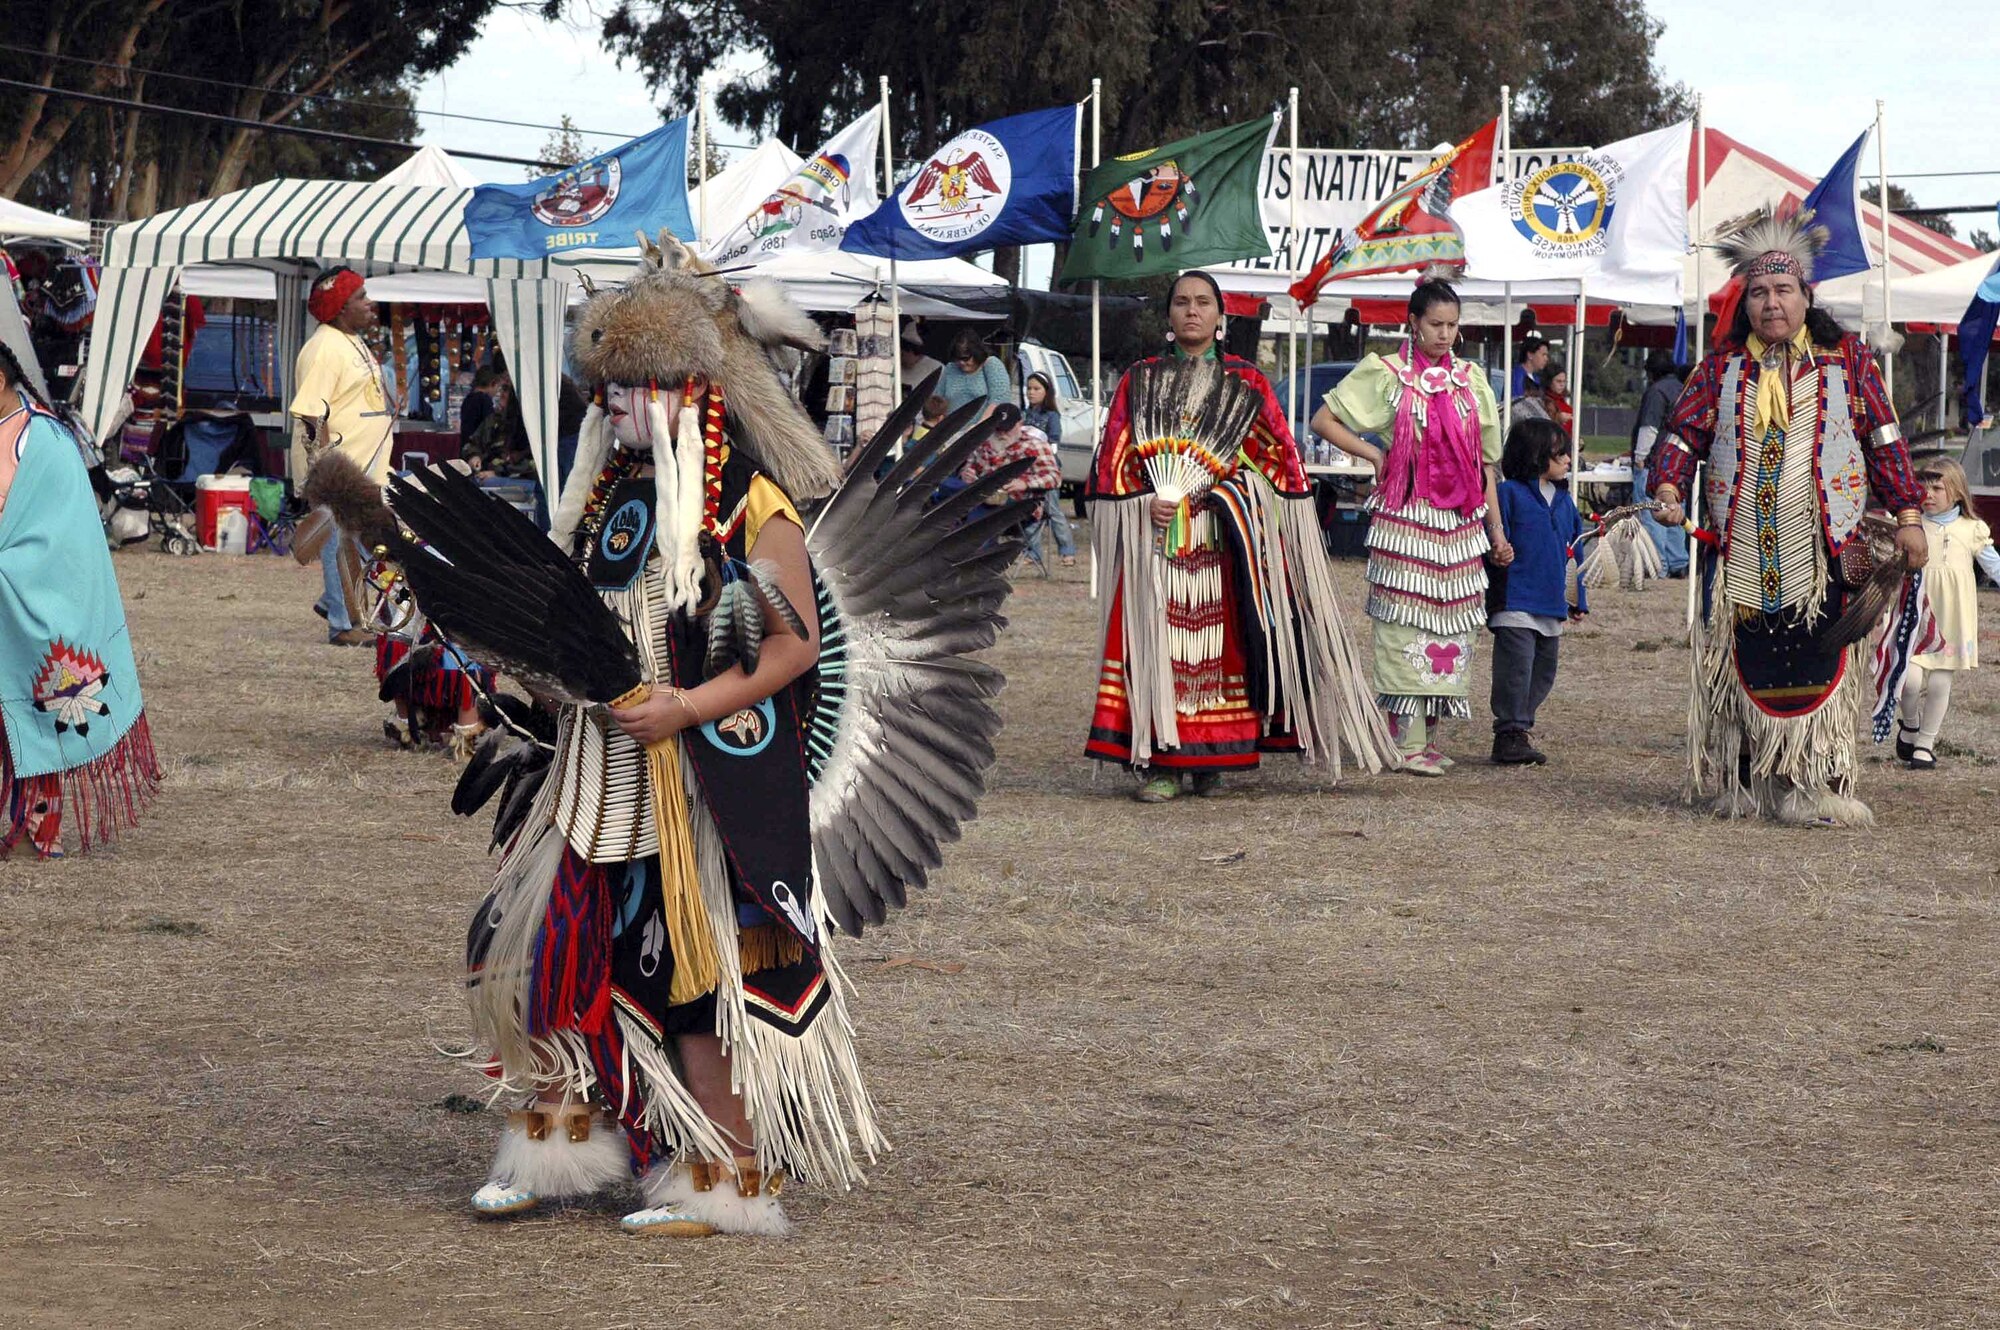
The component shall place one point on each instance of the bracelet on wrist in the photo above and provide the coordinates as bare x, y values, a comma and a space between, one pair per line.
1909, 517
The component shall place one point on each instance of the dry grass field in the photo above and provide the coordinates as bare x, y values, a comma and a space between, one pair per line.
1514, 1048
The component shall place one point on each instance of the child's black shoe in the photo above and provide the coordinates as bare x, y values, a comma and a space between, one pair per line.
1906, 747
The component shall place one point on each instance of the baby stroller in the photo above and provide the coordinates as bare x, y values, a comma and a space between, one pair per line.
131, 502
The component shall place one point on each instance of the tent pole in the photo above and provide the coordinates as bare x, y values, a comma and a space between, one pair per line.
1700, 272
1944, 373
1096, 286
1882, 210
895, 292
1292, 235
701, 124
1576, 383
1507, 288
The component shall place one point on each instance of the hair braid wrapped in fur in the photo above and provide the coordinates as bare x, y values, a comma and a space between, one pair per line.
677, 318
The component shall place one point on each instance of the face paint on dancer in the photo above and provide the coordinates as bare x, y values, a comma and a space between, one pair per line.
631, 423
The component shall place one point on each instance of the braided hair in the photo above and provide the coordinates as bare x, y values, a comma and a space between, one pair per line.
17, 378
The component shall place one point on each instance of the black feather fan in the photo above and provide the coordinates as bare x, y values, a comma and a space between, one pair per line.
494, 584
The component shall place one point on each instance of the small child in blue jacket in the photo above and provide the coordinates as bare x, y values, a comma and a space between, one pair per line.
1528, 601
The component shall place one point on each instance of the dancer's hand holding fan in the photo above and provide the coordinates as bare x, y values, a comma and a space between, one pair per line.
1189, 419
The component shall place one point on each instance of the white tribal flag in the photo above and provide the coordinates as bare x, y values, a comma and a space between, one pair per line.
1615, 216
812, 209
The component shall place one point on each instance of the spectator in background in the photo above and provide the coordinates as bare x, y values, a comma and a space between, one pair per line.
1663, 389
1010, 441
974, 372
481, 405
1555, 400
935, 410
916, 365
1532, 363
1530, 403
1044, 414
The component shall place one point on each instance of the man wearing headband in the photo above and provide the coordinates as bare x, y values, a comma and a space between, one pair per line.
1794, 432
338, 400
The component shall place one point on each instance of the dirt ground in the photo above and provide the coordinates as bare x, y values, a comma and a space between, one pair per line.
1513, 1048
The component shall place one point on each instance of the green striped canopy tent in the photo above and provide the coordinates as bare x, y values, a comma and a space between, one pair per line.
294, 228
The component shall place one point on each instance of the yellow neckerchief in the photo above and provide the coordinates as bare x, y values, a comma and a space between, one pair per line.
1773, 409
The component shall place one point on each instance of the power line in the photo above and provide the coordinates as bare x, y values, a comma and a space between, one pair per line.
339, 101
311, 96
297, 131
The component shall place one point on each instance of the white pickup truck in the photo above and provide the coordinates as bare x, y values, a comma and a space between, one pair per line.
1081, 419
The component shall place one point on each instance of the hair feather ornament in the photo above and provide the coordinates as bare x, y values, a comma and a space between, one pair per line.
1759, 243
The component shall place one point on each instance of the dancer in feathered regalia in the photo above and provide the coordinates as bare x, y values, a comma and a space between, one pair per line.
73, 734
1222, 636
764, 734
1790, 419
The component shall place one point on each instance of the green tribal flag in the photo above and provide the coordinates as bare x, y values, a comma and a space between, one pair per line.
1190, 203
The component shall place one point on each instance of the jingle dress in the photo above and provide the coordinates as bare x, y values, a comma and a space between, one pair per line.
1427, 536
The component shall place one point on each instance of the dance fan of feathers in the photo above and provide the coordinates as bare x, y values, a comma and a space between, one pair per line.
1189, 418
900, 734
1622, 550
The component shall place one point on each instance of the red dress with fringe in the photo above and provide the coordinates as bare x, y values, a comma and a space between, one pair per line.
1219, 728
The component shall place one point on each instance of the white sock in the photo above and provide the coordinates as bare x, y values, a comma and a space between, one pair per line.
1937, 698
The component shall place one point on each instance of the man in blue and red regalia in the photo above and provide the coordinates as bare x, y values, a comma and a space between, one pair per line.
1795, 433
1222, 637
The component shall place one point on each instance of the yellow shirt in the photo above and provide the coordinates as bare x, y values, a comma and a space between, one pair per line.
337, 376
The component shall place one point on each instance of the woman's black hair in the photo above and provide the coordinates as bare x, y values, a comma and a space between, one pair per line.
1530, 445
1820, 325
17, 378
968, 346
1436, 291
1049, 402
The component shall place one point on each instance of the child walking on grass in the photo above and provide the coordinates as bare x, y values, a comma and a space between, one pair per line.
1528, 600
1958, 540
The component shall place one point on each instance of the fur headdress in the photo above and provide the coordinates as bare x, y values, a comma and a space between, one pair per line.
1760, 244
678, 318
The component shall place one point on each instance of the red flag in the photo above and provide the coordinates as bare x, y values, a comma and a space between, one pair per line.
1412, 228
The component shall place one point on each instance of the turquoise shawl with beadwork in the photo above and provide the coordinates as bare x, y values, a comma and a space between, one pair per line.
68, 688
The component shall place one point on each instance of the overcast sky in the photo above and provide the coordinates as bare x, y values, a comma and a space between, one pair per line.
1789, 77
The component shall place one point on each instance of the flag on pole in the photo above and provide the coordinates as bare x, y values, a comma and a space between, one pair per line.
812, 210
1835, 203
1006, 182
636, 187
1975, 340
1185, 205
1412, 228
1614, 217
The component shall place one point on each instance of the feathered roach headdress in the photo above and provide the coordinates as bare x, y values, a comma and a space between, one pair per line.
677, 320
1760, 244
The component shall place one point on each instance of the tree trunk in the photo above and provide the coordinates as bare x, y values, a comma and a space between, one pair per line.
1007, 263
37, 138
146, 197
121, 193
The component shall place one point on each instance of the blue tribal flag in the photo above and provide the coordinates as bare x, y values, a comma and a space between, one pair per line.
1006, 182
1975, 339
637, 187
1836, 204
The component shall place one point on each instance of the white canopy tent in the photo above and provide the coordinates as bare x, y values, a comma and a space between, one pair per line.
731, 193
19, 221
290, 229
1937, 297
